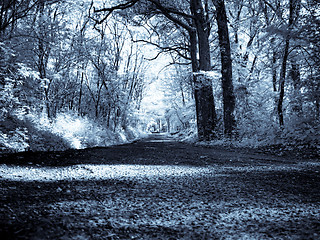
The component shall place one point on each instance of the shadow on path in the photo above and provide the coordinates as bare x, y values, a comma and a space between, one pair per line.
157, 149
158, 188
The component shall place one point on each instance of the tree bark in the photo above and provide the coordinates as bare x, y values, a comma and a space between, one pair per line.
274, 68
292, 7
205, 106
282, 81
80, 93
296, 103
226, 68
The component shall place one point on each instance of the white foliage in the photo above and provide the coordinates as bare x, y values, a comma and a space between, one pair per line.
16, 140
27, 72
81, 132
209, 74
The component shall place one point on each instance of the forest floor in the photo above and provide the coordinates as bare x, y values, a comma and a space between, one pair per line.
158, 188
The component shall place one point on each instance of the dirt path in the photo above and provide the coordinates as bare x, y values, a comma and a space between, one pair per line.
158, 189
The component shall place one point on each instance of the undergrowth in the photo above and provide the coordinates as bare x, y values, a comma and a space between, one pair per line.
67, 130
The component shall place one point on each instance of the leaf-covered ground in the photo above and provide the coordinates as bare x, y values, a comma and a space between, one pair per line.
158, 189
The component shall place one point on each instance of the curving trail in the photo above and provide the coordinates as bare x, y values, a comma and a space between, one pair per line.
157, 188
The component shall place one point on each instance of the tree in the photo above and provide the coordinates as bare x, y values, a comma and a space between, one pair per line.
309, 46
11, 12
199, 39
226, 67
293, 7
193, 17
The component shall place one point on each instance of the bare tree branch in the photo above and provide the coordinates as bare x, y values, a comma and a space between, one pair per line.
176, 49
10, 13
118, 7
166, 12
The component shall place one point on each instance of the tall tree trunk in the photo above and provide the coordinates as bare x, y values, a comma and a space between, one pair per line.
296, 103
274, 68
292, 8
282, 81
80, 93
226, 69
205, 106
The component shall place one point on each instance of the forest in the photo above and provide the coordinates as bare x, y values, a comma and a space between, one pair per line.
85, 73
